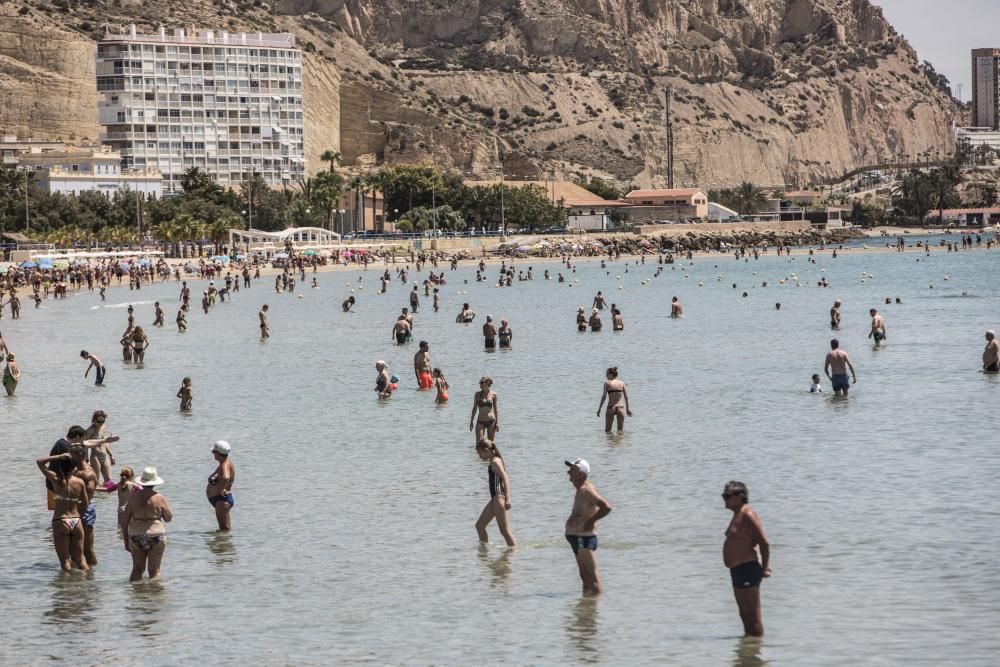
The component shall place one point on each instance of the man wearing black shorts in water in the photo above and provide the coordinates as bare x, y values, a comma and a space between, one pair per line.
581, 526
739, 552
991, 355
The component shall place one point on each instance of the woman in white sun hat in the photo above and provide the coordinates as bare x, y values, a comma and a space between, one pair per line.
145, 534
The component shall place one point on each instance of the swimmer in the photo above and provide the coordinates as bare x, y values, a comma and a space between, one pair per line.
599, 302
466, 316
617, 322
220, 484
815, 387
140, 343
499, 485
490, 334
835, 316
186, 394
401, 330
182, 325
422, 366
143, 517
382, 387
838, 362
158, 321
95, 363
878, 327
744, 536
581, 320
441, 385
991, 355
69, 492
437, 300
595, 320
348, 304
414, 299
485, 404
78, 452
505, 335
265, 329
96, 439
589, 507
616, 394
676, 308
11, 374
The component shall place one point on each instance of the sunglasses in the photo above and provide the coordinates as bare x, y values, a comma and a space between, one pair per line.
727, 496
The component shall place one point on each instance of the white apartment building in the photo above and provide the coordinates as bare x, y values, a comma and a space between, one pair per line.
228, 103
76, 169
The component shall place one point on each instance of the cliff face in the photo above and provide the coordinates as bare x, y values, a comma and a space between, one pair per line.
774, 91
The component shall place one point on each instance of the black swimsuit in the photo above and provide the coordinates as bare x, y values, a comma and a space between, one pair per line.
496, 484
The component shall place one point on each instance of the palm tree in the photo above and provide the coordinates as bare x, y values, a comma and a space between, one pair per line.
333, 157
218, 231
166, 232
749, 198
357, 186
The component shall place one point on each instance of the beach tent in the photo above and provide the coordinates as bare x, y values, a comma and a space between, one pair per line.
27, 264
45, 263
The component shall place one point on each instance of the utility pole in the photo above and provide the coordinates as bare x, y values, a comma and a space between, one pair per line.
959, 85
27, 217
670, 136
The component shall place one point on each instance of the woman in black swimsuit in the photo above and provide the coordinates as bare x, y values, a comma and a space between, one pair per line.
504, 334
485, 403
499, 503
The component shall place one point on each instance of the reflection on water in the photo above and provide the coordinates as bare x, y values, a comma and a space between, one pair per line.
74, 595
499, 567
145, 606
582, 627
747, 652
220, 543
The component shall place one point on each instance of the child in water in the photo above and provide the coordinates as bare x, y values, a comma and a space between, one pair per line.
442, 386
186, 394
815, 388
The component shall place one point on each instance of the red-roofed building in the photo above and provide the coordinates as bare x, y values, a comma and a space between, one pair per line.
966, 217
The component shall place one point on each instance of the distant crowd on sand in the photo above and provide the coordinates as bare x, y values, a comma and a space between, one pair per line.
79, 467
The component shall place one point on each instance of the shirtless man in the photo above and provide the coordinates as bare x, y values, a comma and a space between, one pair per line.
599, 301
96, 364
991, 355
181, 320
158, 322
265, 329
581, 526
739, 552
422, 366
835, 316
878, 327
88, 511
676, 309
414, 299
490, 333
401, 330
838, 361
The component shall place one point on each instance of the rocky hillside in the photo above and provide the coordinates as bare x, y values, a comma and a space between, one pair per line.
774, 91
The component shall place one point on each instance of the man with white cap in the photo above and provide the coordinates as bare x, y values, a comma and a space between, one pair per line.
220, 484
589, 507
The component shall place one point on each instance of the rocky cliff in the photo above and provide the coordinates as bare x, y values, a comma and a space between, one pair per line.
774, 91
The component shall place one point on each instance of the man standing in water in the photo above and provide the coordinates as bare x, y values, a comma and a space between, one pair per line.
96, 364
676, 309
422, 366
414, 299
88, 512
265, 330
835, 316
991, 355
581, 526
838, 361
739, 552
878, 327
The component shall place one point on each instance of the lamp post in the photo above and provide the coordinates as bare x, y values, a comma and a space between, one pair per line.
503, 217
395, 213
27, 216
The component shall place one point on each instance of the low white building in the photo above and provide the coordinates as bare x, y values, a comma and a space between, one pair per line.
73, 170
977, 136
719, 213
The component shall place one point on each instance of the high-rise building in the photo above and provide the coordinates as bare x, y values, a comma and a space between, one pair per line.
986, 88
228, 103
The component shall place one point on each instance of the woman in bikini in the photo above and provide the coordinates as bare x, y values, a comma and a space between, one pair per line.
581, 319
441, 385
499, 503
504, 334
485, 403
96, 439
616, 394
69, 492
140, 342
220, 484
126, 343
125, 486
145, 535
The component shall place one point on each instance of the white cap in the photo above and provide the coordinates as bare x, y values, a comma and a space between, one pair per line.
580, 464
221, 447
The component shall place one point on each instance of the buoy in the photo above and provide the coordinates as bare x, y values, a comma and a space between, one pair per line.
946, 277
781, 282
300, 296
701, 284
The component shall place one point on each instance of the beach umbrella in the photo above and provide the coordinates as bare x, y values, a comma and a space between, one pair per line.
45, 263
347, 253
309, 252
27, 264
144, 262
281, 255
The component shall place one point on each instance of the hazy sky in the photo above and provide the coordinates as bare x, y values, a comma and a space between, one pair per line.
944, 31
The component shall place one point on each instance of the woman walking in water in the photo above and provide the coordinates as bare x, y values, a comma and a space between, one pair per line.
11, 375
139, 344
145, 535
485, 403
69, 492
616, 394
499, 484
220, 484
441, 385
186, 394
96, 439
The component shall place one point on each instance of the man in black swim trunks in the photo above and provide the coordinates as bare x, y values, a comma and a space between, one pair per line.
991, 355
581, 526
739, 552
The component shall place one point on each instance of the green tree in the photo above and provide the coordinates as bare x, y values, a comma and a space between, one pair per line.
333, 157
748, 198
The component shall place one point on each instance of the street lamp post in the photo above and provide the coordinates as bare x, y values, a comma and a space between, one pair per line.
503, 217
27, 215
341, 213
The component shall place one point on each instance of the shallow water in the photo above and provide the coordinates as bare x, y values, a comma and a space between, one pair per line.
353, 537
